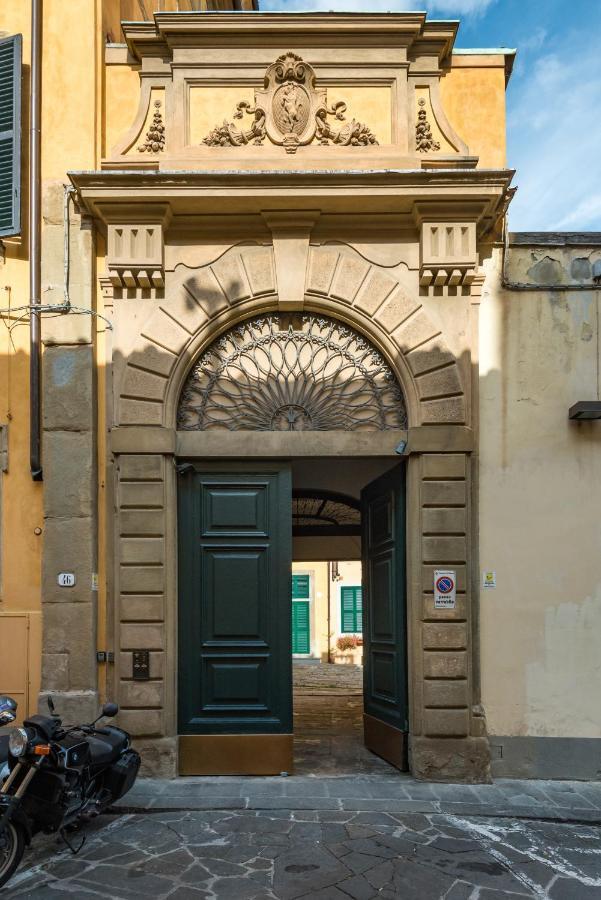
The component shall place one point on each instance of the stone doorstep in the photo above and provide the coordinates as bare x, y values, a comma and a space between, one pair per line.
510, 799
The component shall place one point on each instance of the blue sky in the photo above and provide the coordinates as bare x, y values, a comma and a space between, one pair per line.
554, 96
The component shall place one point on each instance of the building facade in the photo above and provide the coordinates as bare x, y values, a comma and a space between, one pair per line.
275, 269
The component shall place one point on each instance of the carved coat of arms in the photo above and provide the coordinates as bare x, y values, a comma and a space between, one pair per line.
291, 111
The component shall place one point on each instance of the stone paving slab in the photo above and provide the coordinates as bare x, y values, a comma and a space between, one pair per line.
506, 798
315, 855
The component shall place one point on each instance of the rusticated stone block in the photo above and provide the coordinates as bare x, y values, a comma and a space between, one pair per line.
349, 277
72, 706
141, 385
159, 757
148, 522
126, 662
140, 412
444, 636
68, 379
142, 637
377, 287
260, 270
450, 759
440, 383
443, 549
445, 664
185, 309
142, 550
142, 579
450, 409
414, 331
70, 628
148, 355
444, 521
69, 452
147, 467
145, 694
322, 263
443, 493
205, 288
142, 608
161, 329
459, 613
395, 310
68, 547
446, 722
55, 671
445, 694
443, 465
141, 495
142, 722
430, 355
232, 278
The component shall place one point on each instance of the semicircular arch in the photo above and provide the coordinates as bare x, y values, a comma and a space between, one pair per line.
205, 303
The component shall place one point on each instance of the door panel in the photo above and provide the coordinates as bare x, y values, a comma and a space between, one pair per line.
234, 600
384, 610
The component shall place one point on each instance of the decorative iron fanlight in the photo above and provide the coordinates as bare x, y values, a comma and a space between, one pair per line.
284, 372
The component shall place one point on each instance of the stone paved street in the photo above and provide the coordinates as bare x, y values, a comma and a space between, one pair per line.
384, 836
317, 855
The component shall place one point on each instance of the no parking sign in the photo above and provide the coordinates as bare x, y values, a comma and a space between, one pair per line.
445, 587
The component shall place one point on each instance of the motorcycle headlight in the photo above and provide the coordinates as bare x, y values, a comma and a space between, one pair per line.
17, 741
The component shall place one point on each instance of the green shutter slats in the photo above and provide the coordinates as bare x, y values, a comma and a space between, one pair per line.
351, 600
10, 135
301, 634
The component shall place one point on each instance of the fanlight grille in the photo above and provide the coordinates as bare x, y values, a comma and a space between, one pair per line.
291, 373
323, 512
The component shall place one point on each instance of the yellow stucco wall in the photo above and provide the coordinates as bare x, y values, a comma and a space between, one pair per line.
473, 97
70, 140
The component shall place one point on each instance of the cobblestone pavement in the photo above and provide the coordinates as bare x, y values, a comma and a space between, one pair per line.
317, 855
328, 722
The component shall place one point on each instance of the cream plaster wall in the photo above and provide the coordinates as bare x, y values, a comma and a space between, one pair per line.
540, 495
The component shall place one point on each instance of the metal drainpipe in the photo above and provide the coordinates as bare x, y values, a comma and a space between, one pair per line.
35, 97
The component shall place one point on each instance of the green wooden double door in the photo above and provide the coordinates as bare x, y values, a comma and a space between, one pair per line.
235, 615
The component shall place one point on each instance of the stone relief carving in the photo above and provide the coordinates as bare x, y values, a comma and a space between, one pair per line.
291, 111
424, 140
154, 141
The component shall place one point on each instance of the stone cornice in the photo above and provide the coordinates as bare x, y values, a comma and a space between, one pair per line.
251, 192
407, 30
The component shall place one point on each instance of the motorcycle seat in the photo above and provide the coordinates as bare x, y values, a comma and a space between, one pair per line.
105, 748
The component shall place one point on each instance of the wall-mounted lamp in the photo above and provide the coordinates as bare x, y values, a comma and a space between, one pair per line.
585, 409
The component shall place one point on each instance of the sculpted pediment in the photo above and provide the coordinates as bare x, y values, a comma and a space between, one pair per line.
271, 91
291, 111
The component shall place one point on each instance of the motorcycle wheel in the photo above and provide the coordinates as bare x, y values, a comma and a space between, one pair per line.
12, 847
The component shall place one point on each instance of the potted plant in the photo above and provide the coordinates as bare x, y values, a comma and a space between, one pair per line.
349, 649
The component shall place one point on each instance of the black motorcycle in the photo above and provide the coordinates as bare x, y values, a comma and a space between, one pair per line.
58, 777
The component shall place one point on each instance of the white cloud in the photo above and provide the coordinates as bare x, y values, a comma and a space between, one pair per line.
455, 8
554, 136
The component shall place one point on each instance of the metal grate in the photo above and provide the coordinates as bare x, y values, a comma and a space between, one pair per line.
291, 373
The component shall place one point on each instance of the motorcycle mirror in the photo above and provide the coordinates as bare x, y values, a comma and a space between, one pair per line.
8, 709
50, 703
109, 710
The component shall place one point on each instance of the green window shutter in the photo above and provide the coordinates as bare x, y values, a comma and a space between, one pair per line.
301, 636
10, 135
351, 613
300, 587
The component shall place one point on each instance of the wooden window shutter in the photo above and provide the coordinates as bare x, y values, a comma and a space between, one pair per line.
351, 610
10, 135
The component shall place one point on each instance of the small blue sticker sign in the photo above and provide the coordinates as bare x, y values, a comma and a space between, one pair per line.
444, 589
